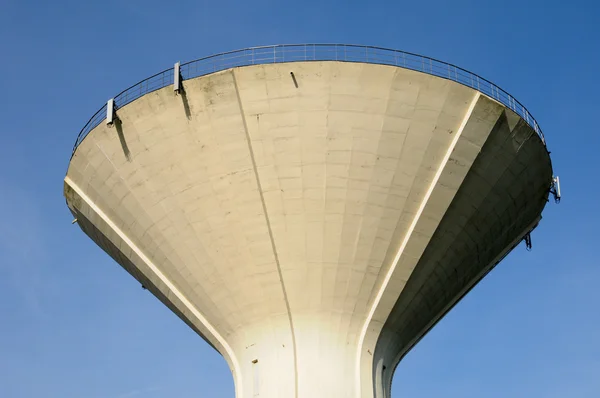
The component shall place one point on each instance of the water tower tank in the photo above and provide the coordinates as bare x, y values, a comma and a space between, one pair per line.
311, 211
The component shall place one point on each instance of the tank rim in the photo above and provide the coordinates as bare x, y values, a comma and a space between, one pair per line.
285, 53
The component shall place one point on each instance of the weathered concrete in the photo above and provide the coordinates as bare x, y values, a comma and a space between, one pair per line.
300, 230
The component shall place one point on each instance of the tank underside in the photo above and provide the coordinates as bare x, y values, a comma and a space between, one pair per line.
310, 227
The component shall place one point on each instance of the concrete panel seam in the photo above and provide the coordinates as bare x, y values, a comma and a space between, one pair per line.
264, 206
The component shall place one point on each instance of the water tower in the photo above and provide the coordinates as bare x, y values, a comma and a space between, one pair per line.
311, 211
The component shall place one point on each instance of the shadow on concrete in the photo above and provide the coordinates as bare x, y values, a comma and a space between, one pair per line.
119, 128
186, 104
294, 79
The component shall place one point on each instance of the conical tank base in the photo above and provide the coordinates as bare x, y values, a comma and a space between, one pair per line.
310, 220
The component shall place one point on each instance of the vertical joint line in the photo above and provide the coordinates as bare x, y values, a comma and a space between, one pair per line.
264, 207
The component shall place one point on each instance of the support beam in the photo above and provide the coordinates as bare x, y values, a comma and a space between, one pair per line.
382, 289
160, 275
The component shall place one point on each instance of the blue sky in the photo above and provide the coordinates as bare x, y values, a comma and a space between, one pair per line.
74, 324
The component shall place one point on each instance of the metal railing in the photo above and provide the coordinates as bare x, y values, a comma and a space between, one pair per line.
314, 52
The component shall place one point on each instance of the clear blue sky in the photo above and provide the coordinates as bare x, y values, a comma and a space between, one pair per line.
74, 324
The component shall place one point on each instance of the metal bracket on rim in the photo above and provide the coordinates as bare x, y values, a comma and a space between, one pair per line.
177, 78
111, 112
527, 240
555, 189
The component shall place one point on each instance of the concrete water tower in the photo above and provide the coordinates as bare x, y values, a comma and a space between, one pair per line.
311, 211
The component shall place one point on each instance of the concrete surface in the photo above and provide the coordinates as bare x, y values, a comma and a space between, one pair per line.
311, 234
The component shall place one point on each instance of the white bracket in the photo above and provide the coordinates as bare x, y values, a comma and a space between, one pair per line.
111, 115
555, 190
177, 78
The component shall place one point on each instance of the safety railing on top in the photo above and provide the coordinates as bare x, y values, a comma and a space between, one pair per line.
314, 52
